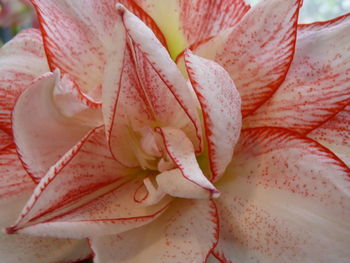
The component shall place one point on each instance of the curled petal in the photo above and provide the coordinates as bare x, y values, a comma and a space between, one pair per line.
77, 36
221, 107
21, 61
34, 134
144, 87
174, 183
180, 150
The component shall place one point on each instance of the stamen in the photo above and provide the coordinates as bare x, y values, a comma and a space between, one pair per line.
153, 196
149, 142
165, 165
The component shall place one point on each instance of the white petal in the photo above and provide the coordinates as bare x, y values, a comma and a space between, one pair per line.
21, 61
334, 134
181, 151
285, 199
257, 52
77, 36
185, 22
15, 188
112, 210
317, 85
143, 87
184, 233
42, 134
221, 107
83, 170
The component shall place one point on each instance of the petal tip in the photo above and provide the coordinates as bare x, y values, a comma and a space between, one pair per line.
57, 72
188, 52
10, 230
215, 194
120, 8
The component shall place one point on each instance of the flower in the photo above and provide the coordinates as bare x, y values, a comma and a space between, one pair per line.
244, 156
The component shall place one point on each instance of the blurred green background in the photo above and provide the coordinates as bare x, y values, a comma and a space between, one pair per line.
319, 10
15, 15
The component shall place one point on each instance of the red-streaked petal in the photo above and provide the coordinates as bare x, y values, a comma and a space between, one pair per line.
84, 169
181, 151
144, 88
221, 107
185, 22
140, 13
213, 259
258, 51
201, 19
157, 58
5, 139
111, 211
77, 35
23, 248
21, 61
14, 180
147, 193
309, 29
42, 133
74, 104
318, 82
335, 135
120, 77
15, 188
174, 183
285, 198
185, 233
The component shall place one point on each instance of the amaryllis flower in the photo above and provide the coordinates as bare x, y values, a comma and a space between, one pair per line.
175, 131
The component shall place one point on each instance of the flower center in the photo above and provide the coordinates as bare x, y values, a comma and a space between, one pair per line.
173, 171
150, 151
